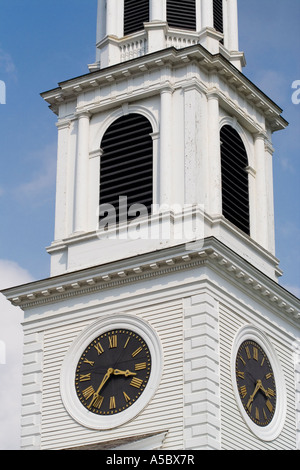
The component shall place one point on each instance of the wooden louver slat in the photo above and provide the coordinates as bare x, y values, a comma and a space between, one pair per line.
181, 14
136, 13
218, 15
235, 187
127, 163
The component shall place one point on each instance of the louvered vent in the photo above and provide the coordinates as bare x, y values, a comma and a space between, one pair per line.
218, 15
127, 163
136, 13
235, 191
181, 14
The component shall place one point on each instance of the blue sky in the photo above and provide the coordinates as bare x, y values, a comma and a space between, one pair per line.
45, 42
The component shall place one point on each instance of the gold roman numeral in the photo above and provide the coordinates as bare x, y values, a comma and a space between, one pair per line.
240, 374
127, 341
88, 392
98, 402
140, 366
248, 352
136, 352
113, 341
137, 383
84, 378
127, 398
240, 357
257, 414
91, 363
255, 353
112, 403
99, 348
269, 406
265, 415
269, 375
243, 391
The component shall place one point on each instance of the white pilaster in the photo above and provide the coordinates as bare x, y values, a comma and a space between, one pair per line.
207, 15
270, 195
214, 155
114, 18
261, 191
166, 146
81, 173
158, 9
202, 420
231, 38
61, 179
192, 143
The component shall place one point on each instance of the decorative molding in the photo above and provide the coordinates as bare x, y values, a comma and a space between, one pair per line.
159, 263
169, 58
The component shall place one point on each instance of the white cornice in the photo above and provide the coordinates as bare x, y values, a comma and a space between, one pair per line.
160, 263
216, 64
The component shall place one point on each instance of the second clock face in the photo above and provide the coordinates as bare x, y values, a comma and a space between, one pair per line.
113, 372
256, 383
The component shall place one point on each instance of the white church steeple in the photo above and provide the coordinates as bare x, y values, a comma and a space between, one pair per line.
168, 75
162, 324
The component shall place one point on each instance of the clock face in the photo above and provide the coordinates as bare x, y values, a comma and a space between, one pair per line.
113, 372
256, 383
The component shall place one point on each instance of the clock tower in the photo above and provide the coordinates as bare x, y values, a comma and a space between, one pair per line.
162, 325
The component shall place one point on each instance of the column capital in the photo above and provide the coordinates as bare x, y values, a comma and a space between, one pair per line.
83, 113
63, 124
213, 94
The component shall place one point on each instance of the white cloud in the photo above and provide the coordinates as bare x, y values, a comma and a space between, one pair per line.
11, 336
7, 64
43, 179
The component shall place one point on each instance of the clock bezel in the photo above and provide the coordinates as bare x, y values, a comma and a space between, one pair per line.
274, 428
67, 377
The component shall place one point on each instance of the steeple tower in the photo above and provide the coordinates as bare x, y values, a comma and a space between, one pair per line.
162, 325
173, 70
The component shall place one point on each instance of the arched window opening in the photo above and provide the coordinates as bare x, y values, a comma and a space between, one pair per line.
218, 15
136, 13
235, 186
126, 169
181, 14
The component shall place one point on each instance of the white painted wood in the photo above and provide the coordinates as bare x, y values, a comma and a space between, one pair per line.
195, 294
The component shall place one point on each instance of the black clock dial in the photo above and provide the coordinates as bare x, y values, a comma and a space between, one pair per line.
113, 372
256, 383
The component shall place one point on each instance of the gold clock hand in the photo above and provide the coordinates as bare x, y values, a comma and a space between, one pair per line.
105, 379
263, 389
127, 373
253, 394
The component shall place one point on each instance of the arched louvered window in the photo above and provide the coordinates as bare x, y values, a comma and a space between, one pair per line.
182, 14
218, 15
127, 164
136, 13
235, 190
